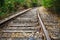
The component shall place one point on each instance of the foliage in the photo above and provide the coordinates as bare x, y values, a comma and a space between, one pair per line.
35, 3
8, 6
47, 3
57, 5
1, 3
53, 4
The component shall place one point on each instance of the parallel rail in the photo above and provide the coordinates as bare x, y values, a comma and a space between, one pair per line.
40, 21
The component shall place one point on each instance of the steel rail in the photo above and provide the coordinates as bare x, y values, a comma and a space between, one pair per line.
7, 19
43, 26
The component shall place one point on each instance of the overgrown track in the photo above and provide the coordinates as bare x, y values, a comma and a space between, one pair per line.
22, 26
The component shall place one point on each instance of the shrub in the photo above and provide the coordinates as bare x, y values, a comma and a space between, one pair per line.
52, 4
34, 3
47, 3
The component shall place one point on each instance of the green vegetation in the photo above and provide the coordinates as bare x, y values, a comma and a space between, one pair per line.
9, 6
47, 3
35, 3
57, 6
52, 4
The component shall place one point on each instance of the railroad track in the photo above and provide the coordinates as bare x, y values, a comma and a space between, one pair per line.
22, 26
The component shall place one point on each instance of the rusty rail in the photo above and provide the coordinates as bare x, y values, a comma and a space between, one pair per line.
40, 21
7, 19
43, 26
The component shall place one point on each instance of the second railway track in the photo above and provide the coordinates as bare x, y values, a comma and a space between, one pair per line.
22, 27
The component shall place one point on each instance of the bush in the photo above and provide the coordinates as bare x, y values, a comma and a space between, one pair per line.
52, 4
34, 3
47, 3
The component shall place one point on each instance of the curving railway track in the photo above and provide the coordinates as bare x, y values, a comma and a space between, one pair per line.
23, 25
